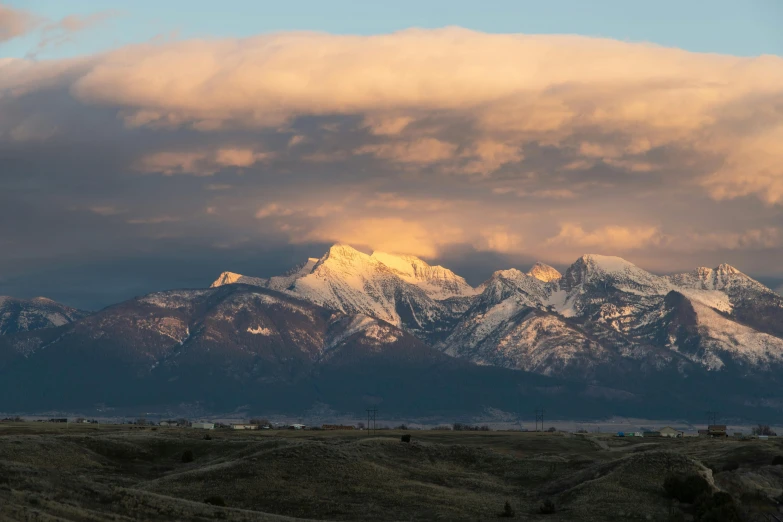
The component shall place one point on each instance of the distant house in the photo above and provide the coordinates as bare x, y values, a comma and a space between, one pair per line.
203, 425
244, 426
167, 423
668, 431
717, 430
297, 427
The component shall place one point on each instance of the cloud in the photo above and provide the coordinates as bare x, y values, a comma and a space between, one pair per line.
199, 163
273, 210
15, 22
460, 100
386, 234
608, 238
395, 201
500, 239
428, 141
106, 210
57, 33
156, 220
752, 239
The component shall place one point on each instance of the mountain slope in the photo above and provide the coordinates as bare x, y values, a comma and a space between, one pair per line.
607, 320
239, 346
588, 322
436, 281
22, 315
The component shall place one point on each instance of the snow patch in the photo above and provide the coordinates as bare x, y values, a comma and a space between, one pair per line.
258, 330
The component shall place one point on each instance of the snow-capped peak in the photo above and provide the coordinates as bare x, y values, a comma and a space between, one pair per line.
510, 273
286, 280
343, 253
226, 278
436, 281
593, 268
544, 272
723, 278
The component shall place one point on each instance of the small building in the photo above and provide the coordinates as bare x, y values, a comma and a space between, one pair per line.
244, 426
717, 430
167, 423
297, 427
668, 431
203, 425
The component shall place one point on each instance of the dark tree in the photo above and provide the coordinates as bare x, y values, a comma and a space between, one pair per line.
508, 511
547, 507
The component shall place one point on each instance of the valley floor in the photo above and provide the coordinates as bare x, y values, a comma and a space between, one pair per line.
104, 472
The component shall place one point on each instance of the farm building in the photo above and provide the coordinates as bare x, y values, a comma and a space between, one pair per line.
297, 427
668, 431
203, 425
244, 426
717, 430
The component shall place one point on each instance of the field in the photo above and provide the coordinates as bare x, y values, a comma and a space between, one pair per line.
103, 472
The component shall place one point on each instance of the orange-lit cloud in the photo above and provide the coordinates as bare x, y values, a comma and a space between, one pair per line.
609, 238
15, 22
525, 145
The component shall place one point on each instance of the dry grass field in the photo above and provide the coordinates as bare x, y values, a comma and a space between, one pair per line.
103, 472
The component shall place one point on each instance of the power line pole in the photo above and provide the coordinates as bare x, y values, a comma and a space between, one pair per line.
371, 414
712, 418
540, 418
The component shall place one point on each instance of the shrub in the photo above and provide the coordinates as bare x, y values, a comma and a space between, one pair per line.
719, 507
187, 456
215, 501
207, 437
777, 460
686, 488
730, 466
547, 507
508, 511
406, 437
551, 429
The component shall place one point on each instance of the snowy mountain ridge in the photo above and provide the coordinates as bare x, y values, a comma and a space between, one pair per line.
603, 312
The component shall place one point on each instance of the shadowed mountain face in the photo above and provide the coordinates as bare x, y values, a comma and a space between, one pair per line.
237, 345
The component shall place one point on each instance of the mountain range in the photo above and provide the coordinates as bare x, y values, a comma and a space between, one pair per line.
350, 329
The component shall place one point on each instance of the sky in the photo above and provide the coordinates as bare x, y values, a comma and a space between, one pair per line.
147, 146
